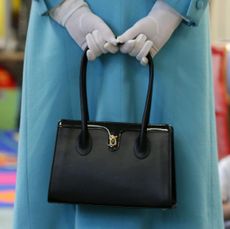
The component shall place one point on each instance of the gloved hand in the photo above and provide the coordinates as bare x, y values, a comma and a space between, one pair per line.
85, 27
150, 33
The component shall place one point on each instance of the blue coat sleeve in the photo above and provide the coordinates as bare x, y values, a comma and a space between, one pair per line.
190, 10
46, 5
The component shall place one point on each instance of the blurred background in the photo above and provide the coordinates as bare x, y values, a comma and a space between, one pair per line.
14, 16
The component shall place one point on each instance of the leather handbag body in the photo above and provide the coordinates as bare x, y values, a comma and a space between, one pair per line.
112, 163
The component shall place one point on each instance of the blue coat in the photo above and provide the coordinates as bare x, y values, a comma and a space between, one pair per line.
183, 97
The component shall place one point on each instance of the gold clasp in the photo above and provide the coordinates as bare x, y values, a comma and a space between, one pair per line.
112, 140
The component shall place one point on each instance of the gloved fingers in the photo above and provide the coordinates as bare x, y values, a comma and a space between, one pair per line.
106, 33
145, 50
110, 47
128, 46
113, 40
154, 50
90, 55
84, 45
92, 45
99, 41
144, 61
110, 43
140, 42
130, 34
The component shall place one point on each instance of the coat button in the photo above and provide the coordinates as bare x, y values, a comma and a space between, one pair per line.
200, 4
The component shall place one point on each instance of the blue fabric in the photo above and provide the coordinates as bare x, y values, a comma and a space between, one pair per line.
45, 5
190, 10
183, 97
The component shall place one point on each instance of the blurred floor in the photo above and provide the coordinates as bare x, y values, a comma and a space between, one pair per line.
6, 218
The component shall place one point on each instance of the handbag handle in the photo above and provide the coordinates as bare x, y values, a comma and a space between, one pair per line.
84, 139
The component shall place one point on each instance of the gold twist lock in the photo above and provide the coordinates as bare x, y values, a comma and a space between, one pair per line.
113, 140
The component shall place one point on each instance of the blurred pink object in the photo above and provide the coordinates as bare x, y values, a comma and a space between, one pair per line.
7, 178
221, 100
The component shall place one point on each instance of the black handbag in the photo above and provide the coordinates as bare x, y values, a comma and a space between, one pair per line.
112, 163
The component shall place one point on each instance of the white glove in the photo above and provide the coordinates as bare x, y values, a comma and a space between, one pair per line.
85, 28
150, 34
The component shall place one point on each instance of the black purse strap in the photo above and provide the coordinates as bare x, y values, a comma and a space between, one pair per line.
84, 138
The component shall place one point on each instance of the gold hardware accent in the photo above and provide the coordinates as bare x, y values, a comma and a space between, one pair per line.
112, 140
